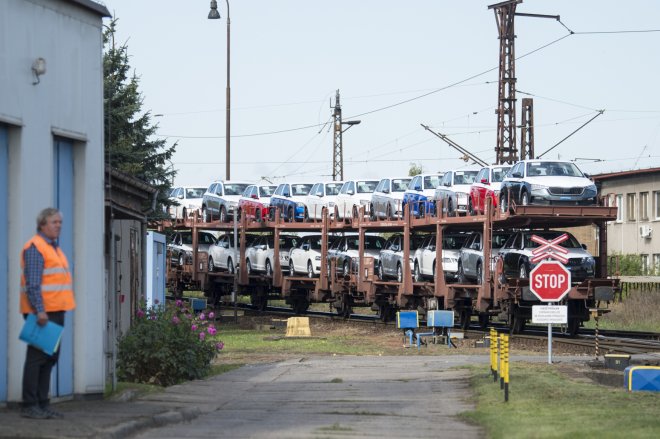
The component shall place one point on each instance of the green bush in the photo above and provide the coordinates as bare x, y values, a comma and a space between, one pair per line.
167, 345
629, 265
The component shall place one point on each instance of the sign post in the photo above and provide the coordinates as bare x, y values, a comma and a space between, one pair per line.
550, 281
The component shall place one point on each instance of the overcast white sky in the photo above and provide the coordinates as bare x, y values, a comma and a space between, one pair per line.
288, 57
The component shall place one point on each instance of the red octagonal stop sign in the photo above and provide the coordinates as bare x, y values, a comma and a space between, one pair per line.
550, 281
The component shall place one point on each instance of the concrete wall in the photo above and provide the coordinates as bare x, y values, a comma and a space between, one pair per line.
624, 234
68, 102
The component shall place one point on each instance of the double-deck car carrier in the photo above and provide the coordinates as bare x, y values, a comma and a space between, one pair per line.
507, 299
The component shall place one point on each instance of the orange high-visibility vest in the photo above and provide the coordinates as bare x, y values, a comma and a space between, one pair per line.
56, 281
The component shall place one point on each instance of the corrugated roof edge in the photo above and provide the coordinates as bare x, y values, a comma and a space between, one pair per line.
620, 174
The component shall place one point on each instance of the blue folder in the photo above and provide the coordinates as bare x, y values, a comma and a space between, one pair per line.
46, 338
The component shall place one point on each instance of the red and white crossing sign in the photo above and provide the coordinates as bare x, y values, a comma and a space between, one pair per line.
549, 249
550, 281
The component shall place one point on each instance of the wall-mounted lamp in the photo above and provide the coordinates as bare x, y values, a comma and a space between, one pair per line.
38, 68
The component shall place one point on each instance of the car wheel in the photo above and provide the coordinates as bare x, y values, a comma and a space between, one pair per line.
504, 205
422, 210
306, 215
292, 271
211, 265
471, 211
450, 208
269, 269
248, 267
461, 274
399, 273
181, 260
372, 213
347, 269
223, 214
184, 213
355, 212
523, 272
205, 215
257, 215
291, 215
381, 274
336, 213
388, 213
417, 274
310, 269
230, 266
239, 213
480, 274
524, 198
434, 276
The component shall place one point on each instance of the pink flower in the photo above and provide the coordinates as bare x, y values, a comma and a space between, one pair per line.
202, 335
211, 330
140, 313
219, 345
211, 315
175, 320
193, 327
156, 301
202, 316
178, 303
188, 316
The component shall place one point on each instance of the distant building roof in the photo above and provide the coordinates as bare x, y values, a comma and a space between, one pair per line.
624, 174
92, 6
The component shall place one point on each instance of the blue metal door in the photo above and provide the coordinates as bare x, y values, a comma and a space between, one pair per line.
62, 383
4, 248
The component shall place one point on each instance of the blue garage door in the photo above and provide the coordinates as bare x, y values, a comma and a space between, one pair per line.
62, 383
4, 248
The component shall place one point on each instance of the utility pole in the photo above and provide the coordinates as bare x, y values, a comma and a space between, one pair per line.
506, 150
338, 146
527, 129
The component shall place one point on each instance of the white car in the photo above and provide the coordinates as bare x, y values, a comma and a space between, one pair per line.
425, 256
189, 200
353, 195
223, 254
306, 257
387, 199
259, 256
322, 195
453, 192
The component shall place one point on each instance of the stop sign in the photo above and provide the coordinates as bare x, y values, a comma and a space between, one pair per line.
550, 281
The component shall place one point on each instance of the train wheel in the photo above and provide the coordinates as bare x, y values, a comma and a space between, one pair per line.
573, 326
386, 312
465, 318
259, 300
300, 305
484, 320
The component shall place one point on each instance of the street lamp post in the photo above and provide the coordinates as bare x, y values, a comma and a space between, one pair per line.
214, 14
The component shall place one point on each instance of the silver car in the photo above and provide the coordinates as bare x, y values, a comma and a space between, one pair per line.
387, 199
471, 257
346, 249
425, 256
391, 261
453, 192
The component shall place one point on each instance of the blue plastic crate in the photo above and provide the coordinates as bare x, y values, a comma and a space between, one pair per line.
407, 320
197, 304
645, 378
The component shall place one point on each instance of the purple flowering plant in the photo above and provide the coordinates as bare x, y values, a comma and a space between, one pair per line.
167, 344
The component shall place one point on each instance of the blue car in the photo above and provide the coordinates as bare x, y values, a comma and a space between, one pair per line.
420, 194
290, 199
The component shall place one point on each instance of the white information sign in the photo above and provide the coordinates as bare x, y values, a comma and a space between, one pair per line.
549, 314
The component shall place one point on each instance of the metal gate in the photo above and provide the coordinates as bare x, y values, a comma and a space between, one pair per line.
62, 382
4, 249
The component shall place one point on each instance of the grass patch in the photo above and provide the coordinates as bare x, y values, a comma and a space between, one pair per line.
335, 427
219, 369
639, 311
336, 380
138, 389
544, 403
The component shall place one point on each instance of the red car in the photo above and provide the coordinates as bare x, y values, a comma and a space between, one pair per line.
254, 201
487, 184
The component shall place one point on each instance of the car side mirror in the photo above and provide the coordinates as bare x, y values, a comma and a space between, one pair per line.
447, 184
180, 196
584, 246
484, 181
432, 248
587, 175
319, 195
516, 175
386, 191
254, 196
305, 247
350, 192
418, 188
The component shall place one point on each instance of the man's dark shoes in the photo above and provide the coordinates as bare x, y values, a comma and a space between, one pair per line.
34, 412
52, 414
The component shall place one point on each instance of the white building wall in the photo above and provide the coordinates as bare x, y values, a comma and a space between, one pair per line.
68, 102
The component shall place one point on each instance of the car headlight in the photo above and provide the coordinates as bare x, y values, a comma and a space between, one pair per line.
588, 260
233, 203
284, 258
496, 193
300, 205
539, 188
192, 206
591, 188
449, 260
317, 258
331, 204
364, 202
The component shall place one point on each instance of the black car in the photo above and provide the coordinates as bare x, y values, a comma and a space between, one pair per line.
517, 252
180, 246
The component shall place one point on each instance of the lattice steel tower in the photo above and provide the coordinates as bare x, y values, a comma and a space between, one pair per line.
337, 150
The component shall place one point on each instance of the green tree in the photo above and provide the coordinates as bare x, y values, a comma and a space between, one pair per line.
415, 169
130, 146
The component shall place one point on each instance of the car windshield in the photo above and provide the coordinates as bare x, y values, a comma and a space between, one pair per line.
195, 192
374, 242
432, 181
300, 189
366, 187
465, 177
499, 239
499, 174
186, 238
235, 188
266, 191
571, 242
453, 242
315, 243
332, 188
400, 184
564, 169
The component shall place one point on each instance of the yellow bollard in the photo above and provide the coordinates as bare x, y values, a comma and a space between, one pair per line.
493, 353
501, 358
505, 354
298, 327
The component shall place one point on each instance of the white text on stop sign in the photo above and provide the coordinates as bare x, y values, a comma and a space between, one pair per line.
553, 281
